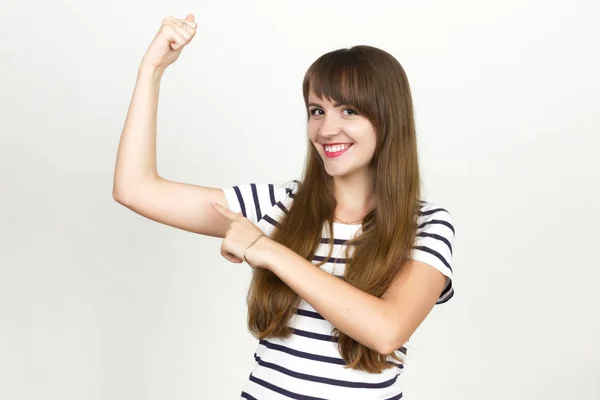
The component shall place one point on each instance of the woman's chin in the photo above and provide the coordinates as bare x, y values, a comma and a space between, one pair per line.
338, 172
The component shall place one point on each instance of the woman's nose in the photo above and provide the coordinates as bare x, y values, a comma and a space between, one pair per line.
330, 128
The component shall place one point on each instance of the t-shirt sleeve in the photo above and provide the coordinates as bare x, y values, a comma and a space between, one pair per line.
433, 244
254, 200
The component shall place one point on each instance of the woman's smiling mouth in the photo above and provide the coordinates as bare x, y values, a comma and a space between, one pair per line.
336, 150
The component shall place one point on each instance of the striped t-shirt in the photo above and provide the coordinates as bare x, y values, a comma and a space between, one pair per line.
307, 365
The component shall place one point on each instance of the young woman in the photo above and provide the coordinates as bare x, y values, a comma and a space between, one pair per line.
348, 261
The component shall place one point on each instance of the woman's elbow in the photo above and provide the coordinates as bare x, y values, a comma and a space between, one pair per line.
391, 343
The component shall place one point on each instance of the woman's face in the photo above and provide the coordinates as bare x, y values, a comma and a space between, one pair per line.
344, 139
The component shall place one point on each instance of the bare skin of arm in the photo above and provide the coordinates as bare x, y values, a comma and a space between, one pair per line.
136, 183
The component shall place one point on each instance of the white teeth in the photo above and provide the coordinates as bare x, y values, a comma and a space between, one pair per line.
336, 148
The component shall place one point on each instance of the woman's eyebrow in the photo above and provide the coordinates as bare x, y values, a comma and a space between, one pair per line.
320, 106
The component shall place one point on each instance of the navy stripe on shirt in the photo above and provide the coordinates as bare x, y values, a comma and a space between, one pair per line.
436, 254
437, 221
256, 202
282, 391
307, 313
238, 194
302, 354
437, 237
247, 396
435, 210
328, 381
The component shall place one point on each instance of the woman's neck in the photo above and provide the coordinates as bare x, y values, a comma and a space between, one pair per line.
355, 197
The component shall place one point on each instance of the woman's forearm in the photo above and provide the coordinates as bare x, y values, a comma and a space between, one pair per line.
136, 157
360, 315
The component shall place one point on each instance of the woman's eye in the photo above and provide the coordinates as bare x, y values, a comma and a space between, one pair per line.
315, 111
350, 111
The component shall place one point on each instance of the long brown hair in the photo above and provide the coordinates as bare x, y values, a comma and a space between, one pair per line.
374, 83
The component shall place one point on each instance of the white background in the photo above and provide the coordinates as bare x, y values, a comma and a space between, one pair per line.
97, 302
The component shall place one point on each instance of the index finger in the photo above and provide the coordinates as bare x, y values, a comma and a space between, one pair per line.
224, 211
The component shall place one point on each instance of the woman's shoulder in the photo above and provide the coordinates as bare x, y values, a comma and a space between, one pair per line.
429, 208
433, 213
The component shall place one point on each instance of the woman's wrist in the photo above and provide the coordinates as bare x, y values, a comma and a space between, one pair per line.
149, 72
259, 253
250, 245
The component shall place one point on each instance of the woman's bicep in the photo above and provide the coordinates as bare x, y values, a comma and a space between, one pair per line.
181, 205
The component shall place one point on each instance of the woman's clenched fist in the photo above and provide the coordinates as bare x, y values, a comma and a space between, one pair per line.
173, 36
